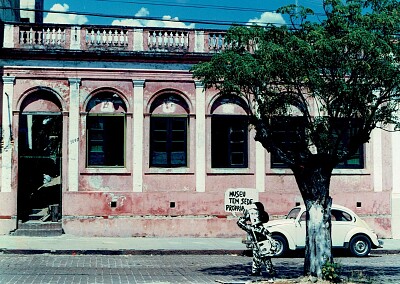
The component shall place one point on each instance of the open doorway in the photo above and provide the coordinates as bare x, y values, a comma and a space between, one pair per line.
39, 167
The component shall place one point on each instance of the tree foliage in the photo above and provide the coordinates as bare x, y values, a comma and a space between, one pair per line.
345, 67
338, 77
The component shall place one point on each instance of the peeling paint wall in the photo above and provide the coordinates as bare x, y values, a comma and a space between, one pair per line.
119, 201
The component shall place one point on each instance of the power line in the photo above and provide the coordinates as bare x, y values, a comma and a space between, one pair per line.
194, 21
196, 6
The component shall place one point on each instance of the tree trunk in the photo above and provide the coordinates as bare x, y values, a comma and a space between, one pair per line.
314, 186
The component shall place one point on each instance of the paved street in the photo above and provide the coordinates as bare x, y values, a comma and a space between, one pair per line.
51, 268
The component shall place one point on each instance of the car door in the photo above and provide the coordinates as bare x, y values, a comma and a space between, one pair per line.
300, 229
342, 223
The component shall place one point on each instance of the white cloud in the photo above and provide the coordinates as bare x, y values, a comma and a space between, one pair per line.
268, 18
169, 21
59, 18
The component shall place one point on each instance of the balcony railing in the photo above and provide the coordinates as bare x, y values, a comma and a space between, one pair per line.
45, 37
108, 38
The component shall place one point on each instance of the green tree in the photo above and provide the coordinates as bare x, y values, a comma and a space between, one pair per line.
329, 82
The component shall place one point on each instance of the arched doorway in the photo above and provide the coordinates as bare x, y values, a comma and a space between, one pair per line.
39, 158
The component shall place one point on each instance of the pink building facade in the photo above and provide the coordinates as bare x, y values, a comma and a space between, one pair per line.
108, 124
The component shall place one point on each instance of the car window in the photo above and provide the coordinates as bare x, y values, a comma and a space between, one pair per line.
293, 213
303, 216
339, 215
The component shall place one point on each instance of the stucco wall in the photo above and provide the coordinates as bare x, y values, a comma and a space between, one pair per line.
168, 202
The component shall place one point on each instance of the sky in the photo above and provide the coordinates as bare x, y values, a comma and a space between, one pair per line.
205, 14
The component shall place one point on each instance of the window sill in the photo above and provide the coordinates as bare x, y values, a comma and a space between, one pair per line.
156, 171
335, 172
231, 171
350, 172
105, 170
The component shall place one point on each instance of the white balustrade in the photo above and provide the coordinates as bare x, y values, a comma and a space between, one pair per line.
164, 41
106, 38
216, 42
110, 38
42, 37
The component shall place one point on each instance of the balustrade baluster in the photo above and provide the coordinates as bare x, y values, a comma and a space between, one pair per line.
115, 38
21, 37
98, 37
109, 38
53, 36
154, 39
40, 37
187, 41
182, 40
165, 40
103, 38
211, 41
170, 40
58, 37
124, 38
34, 35
159, 39
92, 37
46, 36
176, 40
30, 36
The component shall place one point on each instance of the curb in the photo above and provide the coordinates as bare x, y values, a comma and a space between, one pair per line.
383, 251
122, 252
159, 252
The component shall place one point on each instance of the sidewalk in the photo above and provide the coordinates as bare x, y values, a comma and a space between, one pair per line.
67, 244
110, 245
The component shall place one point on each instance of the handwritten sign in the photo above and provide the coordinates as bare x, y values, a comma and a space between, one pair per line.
236, 199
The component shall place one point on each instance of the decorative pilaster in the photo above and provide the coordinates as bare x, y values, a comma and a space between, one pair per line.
260, 167
75, 38
7, 135
199, 40
8, 41
377, 160
138, 40
138, 93
395, 185
73, 135
200, 137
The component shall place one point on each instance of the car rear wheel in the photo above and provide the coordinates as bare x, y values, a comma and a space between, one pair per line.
360, 246
282, 245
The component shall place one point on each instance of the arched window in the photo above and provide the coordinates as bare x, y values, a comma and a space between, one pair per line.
105, 125
229, 133
168, 132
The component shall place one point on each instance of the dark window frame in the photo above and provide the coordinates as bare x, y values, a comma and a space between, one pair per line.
109, 151
170, 142
227, 146
359, 155
295, 123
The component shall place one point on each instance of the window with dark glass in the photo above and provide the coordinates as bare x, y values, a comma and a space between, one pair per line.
289, 133
356, 161
106, 136
341, 216
168, 141
229, 141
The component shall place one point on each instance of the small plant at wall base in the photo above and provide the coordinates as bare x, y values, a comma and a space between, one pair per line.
331, 271
316, 91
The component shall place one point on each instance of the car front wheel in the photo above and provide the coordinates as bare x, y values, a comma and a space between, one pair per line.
282, 245
360, 246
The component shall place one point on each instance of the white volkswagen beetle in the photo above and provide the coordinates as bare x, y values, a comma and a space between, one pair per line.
348, 231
